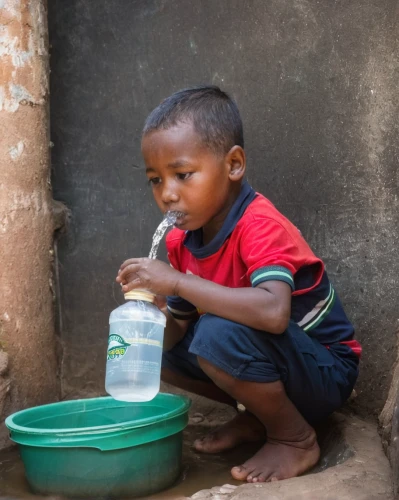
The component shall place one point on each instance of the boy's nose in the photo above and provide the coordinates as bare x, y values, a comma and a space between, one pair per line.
169, 195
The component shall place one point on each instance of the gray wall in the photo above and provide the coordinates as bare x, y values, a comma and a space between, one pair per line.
316, 83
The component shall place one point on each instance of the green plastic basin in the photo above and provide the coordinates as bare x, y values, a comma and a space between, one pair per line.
102, 447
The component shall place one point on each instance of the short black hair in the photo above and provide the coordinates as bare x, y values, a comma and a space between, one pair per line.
212, 112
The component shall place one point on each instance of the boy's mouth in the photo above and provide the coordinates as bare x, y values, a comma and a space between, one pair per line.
179, 219
175, 216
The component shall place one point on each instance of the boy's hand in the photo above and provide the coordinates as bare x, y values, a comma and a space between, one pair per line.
150, 274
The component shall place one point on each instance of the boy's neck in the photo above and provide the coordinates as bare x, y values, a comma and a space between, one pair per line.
211, 230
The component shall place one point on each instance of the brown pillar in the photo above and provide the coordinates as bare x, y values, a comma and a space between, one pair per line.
28, 367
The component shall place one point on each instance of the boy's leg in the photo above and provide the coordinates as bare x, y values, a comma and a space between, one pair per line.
181, 369
285, 380
200, 387
291, 447
243, 428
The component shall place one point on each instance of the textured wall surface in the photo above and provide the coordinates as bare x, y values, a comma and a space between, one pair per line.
28, 368
316, 83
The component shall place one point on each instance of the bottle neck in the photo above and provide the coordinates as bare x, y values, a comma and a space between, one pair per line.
144, 295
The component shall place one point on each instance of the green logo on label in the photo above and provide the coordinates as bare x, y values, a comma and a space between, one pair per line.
117, 347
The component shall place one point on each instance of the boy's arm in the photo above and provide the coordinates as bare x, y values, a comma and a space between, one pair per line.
175, 329
266, 307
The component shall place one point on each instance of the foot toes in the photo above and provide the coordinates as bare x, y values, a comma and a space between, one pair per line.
241, 473
256, 477
262, 478
251, 479
238, 473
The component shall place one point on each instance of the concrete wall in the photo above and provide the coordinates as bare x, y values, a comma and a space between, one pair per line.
316, 83
28, 368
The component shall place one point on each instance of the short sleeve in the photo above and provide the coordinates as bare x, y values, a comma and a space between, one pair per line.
269, 252
180, 308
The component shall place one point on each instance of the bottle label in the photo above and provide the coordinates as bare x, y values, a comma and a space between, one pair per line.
117, 347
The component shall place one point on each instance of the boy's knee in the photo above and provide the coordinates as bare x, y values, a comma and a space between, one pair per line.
225, 350
209, 368
220, 377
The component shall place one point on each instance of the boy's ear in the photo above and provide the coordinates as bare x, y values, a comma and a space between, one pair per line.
235, 159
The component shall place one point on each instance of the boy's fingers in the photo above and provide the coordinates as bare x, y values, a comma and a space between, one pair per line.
130, 261
129, 267
130, 286
128, 270
126, 263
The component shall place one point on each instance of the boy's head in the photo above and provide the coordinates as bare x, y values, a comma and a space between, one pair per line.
213, 114
192, 146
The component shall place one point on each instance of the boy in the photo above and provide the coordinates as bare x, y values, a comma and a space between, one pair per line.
251, 314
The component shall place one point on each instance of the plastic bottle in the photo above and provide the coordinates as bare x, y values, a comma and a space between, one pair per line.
135, 348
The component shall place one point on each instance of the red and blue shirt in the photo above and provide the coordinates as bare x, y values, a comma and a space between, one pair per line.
256, 244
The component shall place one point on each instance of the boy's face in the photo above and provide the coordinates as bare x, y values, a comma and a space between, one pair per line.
188, 177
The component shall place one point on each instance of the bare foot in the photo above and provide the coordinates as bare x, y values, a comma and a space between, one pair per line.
279, 460
244, 428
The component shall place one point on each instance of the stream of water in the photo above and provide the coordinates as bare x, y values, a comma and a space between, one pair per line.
168, 220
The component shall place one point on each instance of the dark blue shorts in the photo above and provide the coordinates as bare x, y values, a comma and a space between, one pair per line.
316, 379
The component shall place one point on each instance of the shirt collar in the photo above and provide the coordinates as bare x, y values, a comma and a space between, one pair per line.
193, 239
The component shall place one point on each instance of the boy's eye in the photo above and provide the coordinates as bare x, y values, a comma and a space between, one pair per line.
154, 181
185, 176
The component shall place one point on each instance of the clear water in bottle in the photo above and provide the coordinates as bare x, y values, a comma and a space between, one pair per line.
136, 337
135, 351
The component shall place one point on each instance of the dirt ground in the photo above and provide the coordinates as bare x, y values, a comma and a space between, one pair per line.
353, 465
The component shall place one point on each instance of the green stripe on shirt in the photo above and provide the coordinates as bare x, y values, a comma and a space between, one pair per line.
272, 273
324, 312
